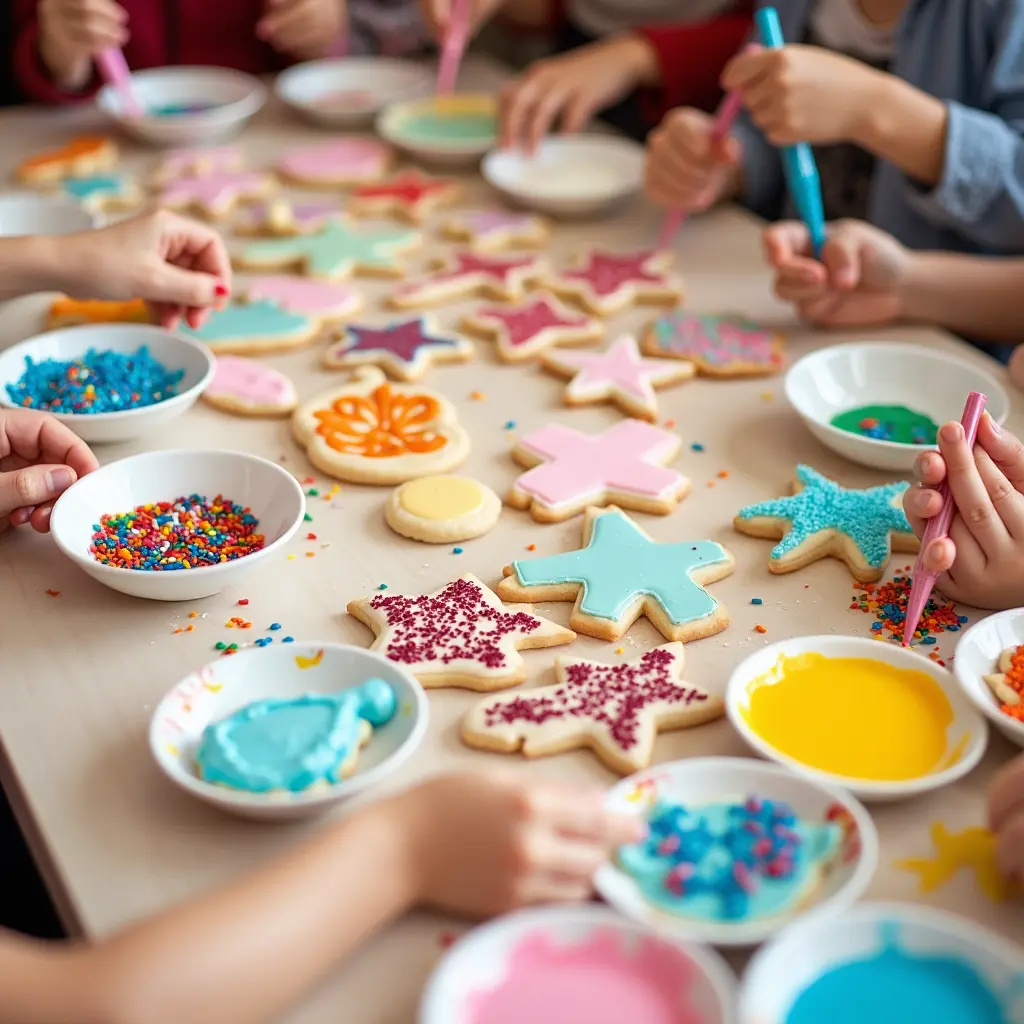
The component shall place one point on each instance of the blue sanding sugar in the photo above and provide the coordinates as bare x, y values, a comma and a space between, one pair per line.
100, 381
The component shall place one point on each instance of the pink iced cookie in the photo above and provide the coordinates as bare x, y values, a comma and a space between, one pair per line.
191, 163
214, 195
341, 162
716, 346
281, 216
307, 296
247, 388
467, 274
491, 230
607, 283
521, 332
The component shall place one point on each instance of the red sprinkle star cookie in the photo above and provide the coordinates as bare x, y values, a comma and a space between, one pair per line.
617, 710
411, 196
461, 635
468, 274
521, 332
608, 283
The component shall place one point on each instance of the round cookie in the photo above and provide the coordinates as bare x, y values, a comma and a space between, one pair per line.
244, 387
442, 509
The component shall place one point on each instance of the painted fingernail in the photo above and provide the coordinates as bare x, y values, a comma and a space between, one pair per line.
220, 290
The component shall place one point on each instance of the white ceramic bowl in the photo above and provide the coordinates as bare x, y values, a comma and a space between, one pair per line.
976, 656
173, 350
785, 967
578, 176
706, 780
24, 213
968, 732
307, 88
841, 377
441, 152
274, 495
235, 99
228, 684
479, 962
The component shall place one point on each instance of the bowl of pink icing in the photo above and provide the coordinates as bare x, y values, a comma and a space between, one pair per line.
559, 965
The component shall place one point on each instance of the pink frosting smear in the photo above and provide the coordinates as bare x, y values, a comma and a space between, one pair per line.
599, 981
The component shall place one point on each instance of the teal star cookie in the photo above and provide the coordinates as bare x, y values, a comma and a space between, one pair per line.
861, 527
620, 573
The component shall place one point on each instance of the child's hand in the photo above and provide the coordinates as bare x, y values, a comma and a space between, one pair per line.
1006, 817
178, 265
73, 32
982, 559
858, 282
302, 28
437, 14
572, 88
686, 168
40, 458
804, 93
486, 843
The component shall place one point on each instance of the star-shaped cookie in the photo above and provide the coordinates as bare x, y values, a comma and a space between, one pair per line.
404, 350
620, 574
615, 709
822, 518
215, 195
493, 230
461, 635
619, 375
410, 196
608, 283
469, 274
521, 332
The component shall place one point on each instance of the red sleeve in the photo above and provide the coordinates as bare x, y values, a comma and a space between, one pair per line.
30, 74
692, 58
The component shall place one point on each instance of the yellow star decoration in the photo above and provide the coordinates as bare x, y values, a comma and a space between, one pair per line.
973, 848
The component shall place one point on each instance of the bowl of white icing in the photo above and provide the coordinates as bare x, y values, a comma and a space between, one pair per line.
577, 176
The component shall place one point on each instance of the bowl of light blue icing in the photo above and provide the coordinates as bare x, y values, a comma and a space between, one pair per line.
287, 730
887, 963
443, 130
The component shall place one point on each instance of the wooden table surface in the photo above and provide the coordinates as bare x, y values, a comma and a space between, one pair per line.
81, 673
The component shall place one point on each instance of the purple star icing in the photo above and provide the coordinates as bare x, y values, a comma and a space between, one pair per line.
403, 340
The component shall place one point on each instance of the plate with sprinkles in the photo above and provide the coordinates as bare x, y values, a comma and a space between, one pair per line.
107, 382
178, 525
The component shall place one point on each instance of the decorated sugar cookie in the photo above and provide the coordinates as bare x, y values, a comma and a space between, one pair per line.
368, 431
862, 528
65, 312
410, 196
100, 192
79, 158
254, 328
493, 230
336, 163
247, 388
521, 332
461, 635
469, 274
616, 709
608, 283
338, 250
1007, 681
214, 195
717, 346
619, 375
442, 509
624, 464
321, 300
404, 350
192, 163
282, 216
620, 574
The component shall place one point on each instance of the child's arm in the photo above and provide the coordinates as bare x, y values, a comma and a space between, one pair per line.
472, 845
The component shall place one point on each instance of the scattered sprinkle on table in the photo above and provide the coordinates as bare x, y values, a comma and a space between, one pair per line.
695, 447
274, 626
187, 533
531, 547
311, 554
307, 518
723, 474
53, 593
670, 424
307, 480
193, 615
767, 396
243, 601
456, 551
382, 586
291, 558
711, 483
476, 396
620, 650
887, 603
510, 425
235, 622
264, 640
756, 600
99, 381
288, 640
312, 493
310, 536
760, 629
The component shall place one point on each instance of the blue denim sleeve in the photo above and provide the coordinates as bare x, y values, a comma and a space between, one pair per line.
764, 186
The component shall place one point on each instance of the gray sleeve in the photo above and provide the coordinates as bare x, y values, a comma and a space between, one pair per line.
764, 185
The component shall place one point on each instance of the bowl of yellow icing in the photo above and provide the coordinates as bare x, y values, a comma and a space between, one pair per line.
883, 722
444, 130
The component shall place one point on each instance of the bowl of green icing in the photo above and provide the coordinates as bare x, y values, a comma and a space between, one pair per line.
447, 130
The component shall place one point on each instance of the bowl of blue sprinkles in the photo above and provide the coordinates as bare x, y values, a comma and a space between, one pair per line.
107, 382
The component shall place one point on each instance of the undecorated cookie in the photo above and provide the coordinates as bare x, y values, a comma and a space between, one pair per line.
461, 635
493, 230
214, 195
620, 574
626, 464
619, 375
368, 431
79, 158
716, 346
409, 196
442, 509
607, 283
247, 388
522, 332
404, 350
251, 328
616, 709
860, 527
337, 163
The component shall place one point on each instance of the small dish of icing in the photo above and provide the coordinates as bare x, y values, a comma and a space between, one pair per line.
568, 965
282, 730
449, 130
735, 850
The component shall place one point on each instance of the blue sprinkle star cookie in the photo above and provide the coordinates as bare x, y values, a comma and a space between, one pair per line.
823, 519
